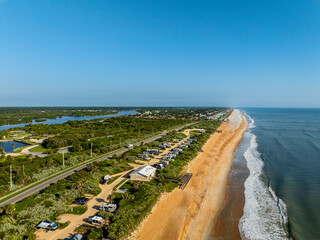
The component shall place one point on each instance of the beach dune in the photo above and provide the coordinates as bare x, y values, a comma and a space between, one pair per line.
190, 213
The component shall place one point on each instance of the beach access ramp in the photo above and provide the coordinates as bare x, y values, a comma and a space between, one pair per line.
184, 180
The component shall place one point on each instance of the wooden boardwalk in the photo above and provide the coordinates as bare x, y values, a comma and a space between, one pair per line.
184, 180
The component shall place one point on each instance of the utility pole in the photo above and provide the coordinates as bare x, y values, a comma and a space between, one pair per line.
120, 141
91, 149
11, 185
62, 159
23, 169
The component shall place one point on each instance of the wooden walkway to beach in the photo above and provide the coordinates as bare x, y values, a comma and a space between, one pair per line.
184, 180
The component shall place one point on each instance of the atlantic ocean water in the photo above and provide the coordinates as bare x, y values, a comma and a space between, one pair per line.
282, 191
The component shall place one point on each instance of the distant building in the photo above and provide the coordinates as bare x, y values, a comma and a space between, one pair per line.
144, 173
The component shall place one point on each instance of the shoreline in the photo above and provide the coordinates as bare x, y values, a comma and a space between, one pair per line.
191, 213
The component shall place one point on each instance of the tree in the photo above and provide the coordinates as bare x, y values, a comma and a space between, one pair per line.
9, 210
111, 197
1, 151
13, 145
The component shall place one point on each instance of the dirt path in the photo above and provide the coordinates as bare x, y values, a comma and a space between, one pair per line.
189, 213
94, 203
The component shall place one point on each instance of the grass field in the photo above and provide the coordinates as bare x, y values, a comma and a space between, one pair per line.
38, 149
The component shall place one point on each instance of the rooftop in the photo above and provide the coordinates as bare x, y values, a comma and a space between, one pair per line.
145, 171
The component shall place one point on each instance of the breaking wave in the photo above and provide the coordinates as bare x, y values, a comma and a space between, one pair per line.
265, 214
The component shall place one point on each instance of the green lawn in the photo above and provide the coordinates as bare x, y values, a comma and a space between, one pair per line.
18, 150
38, 149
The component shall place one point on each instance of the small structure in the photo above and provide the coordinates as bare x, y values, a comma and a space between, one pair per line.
159, 166
165, 162
108, 207
96, 220
153, 151
48, 225
201, 130
177, 150
144, 173
183, 146
144, 156
162, 146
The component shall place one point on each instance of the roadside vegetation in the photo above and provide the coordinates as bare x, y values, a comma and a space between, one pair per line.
19, 220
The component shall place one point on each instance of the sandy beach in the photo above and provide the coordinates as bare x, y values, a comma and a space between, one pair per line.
191, 213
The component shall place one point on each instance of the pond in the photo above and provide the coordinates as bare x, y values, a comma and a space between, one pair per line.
7, 146
64, 119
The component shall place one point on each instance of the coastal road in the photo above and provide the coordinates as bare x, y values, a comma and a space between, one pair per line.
37, 188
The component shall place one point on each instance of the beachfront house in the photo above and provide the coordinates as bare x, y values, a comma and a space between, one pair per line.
145, 173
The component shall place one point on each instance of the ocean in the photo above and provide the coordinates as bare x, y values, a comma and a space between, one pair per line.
282, 189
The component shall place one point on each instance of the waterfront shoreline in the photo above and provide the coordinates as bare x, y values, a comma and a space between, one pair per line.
190, 214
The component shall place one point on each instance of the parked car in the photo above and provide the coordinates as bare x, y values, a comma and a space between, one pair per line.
103, 181
77, 236
80, 201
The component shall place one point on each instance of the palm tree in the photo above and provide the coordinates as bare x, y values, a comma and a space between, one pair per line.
111, 197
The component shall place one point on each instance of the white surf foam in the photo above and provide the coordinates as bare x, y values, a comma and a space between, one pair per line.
251, 121
264, 213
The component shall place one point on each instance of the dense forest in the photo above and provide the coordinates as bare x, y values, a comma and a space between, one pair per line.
14, 115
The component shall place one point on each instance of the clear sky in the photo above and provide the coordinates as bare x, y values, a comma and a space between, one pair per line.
160, 53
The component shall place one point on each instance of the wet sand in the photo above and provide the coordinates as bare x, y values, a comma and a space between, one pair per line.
225, 226
191, 213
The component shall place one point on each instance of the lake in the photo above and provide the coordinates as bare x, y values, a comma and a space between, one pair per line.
7, 146
64, 119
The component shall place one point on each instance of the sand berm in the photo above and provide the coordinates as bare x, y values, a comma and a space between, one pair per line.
190, 213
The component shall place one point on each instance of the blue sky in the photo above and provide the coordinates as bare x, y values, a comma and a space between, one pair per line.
160, 53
